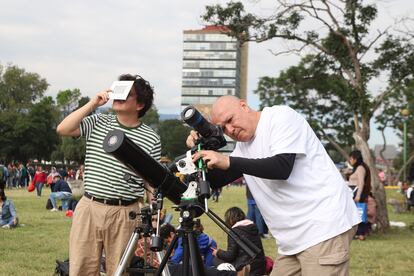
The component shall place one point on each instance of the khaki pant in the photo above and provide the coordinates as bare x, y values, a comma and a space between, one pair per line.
97, 226
328, 258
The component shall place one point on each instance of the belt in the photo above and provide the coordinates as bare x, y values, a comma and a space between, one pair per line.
118, 202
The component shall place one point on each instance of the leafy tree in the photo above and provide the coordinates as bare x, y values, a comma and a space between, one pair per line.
68, 100
70, 148
18, 90
341, 54
173, 136
82, 101
151, 118
393, 117
40, 136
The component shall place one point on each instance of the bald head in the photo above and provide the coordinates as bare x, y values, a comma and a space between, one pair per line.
235, 117
222, 104
226, 100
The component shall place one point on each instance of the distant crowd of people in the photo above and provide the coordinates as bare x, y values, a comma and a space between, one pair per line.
20, 176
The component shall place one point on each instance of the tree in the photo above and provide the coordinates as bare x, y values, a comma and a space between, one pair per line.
18, 90
40, 137
332, 80
151, 118
391, 116
68, 100
173, 135
69, 148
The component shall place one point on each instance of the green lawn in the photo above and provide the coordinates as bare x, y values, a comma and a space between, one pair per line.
33, 248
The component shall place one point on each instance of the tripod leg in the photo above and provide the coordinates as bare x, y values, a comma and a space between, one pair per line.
195, 256
132, 243
167, 255
186, 255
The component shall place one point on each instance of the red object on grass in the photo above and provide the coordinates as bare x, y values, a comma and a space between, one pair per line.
31, 187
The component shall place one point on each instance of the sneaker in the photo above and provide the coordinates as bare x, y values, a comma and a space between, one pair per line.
54, 210
6, 226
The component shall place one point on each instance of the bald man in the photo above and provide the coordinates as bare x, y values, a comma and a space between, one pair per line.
299, 191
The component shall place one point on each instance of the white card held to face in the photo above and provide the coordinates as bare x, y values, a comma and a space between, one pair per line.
120, 90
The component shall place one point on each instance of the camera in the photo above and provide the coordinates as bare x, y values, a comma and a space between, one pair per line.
212, 135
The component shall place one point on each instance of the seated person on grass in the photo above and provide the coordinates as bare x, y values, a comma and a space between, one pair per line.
205, 245
235, 255
62, 191
8, 215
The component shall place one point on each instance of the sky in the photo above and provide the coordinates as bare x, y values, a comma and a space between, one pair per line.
88, 44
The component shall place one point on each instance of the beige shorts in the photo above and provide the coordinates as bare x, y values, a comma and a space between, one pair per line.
97, 226
328, 258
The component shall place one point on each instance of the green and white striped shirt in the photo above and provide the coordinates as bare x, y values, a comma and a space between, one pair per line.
103, 172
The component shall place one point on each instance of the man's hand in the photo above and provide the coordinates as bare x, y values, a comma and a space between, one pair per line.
213, 159
100, 98
192, 139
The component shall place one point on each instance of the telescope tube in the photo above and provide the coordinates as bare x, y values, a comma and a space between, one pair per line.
158, 176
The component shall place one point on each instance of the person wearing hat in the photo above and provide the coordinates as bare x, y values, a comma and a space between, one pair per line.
61, 191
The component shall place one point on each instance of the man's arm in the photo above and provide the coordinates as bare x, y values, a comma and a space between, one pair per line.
70, 126
149, 192
275, 167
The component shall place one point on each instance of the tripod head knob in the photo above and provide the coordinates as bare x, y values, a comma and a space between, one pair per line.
132, 215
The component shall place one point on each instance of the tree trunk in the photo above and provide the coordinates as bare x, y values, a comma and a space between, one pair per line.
378, 190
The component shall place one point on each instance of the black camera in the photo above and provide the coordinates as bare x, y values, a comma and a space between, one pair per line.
212, 135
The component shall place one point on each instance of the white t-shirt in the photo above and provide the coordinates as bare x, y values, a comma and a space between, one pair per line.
314, 204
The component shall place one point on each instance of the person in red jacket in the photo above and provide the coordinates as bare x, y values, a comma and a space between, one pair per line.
39, 180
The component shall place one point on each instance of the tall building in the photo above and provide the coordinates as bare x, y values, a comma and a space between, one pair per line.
214, 64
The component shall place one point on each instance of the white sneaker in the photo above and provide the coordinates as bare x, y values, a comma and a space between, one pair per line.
54, 210
6, 226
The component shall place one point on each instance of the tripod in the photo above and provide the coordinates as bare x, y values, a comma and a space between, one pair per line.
146, 230
191, 252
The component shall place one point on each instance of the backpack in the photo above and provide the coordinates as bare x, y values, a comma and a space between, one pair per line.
62, 268
49, 205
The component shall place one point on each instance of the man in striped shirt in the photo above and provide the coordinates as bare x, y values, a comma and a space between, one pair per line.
101, 217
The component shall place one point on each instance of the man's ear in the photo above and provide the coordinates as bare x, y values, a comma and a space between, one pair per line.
243, 105
140, 106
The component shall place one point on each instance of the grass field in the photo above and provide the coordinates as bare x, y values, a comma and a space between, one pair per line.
33, 248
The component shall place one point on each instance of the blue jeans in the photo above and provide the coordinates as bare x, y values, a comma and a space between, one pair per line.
23, 182
253, 214
9, 222
39, 187
64, 196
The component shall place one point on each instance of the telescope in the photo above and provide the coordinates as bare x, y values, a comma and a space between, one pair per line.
212, 135
167, 184
135, 158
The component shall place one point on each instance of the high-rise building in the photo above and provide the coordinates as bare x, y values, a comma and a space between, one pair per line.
214, 64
